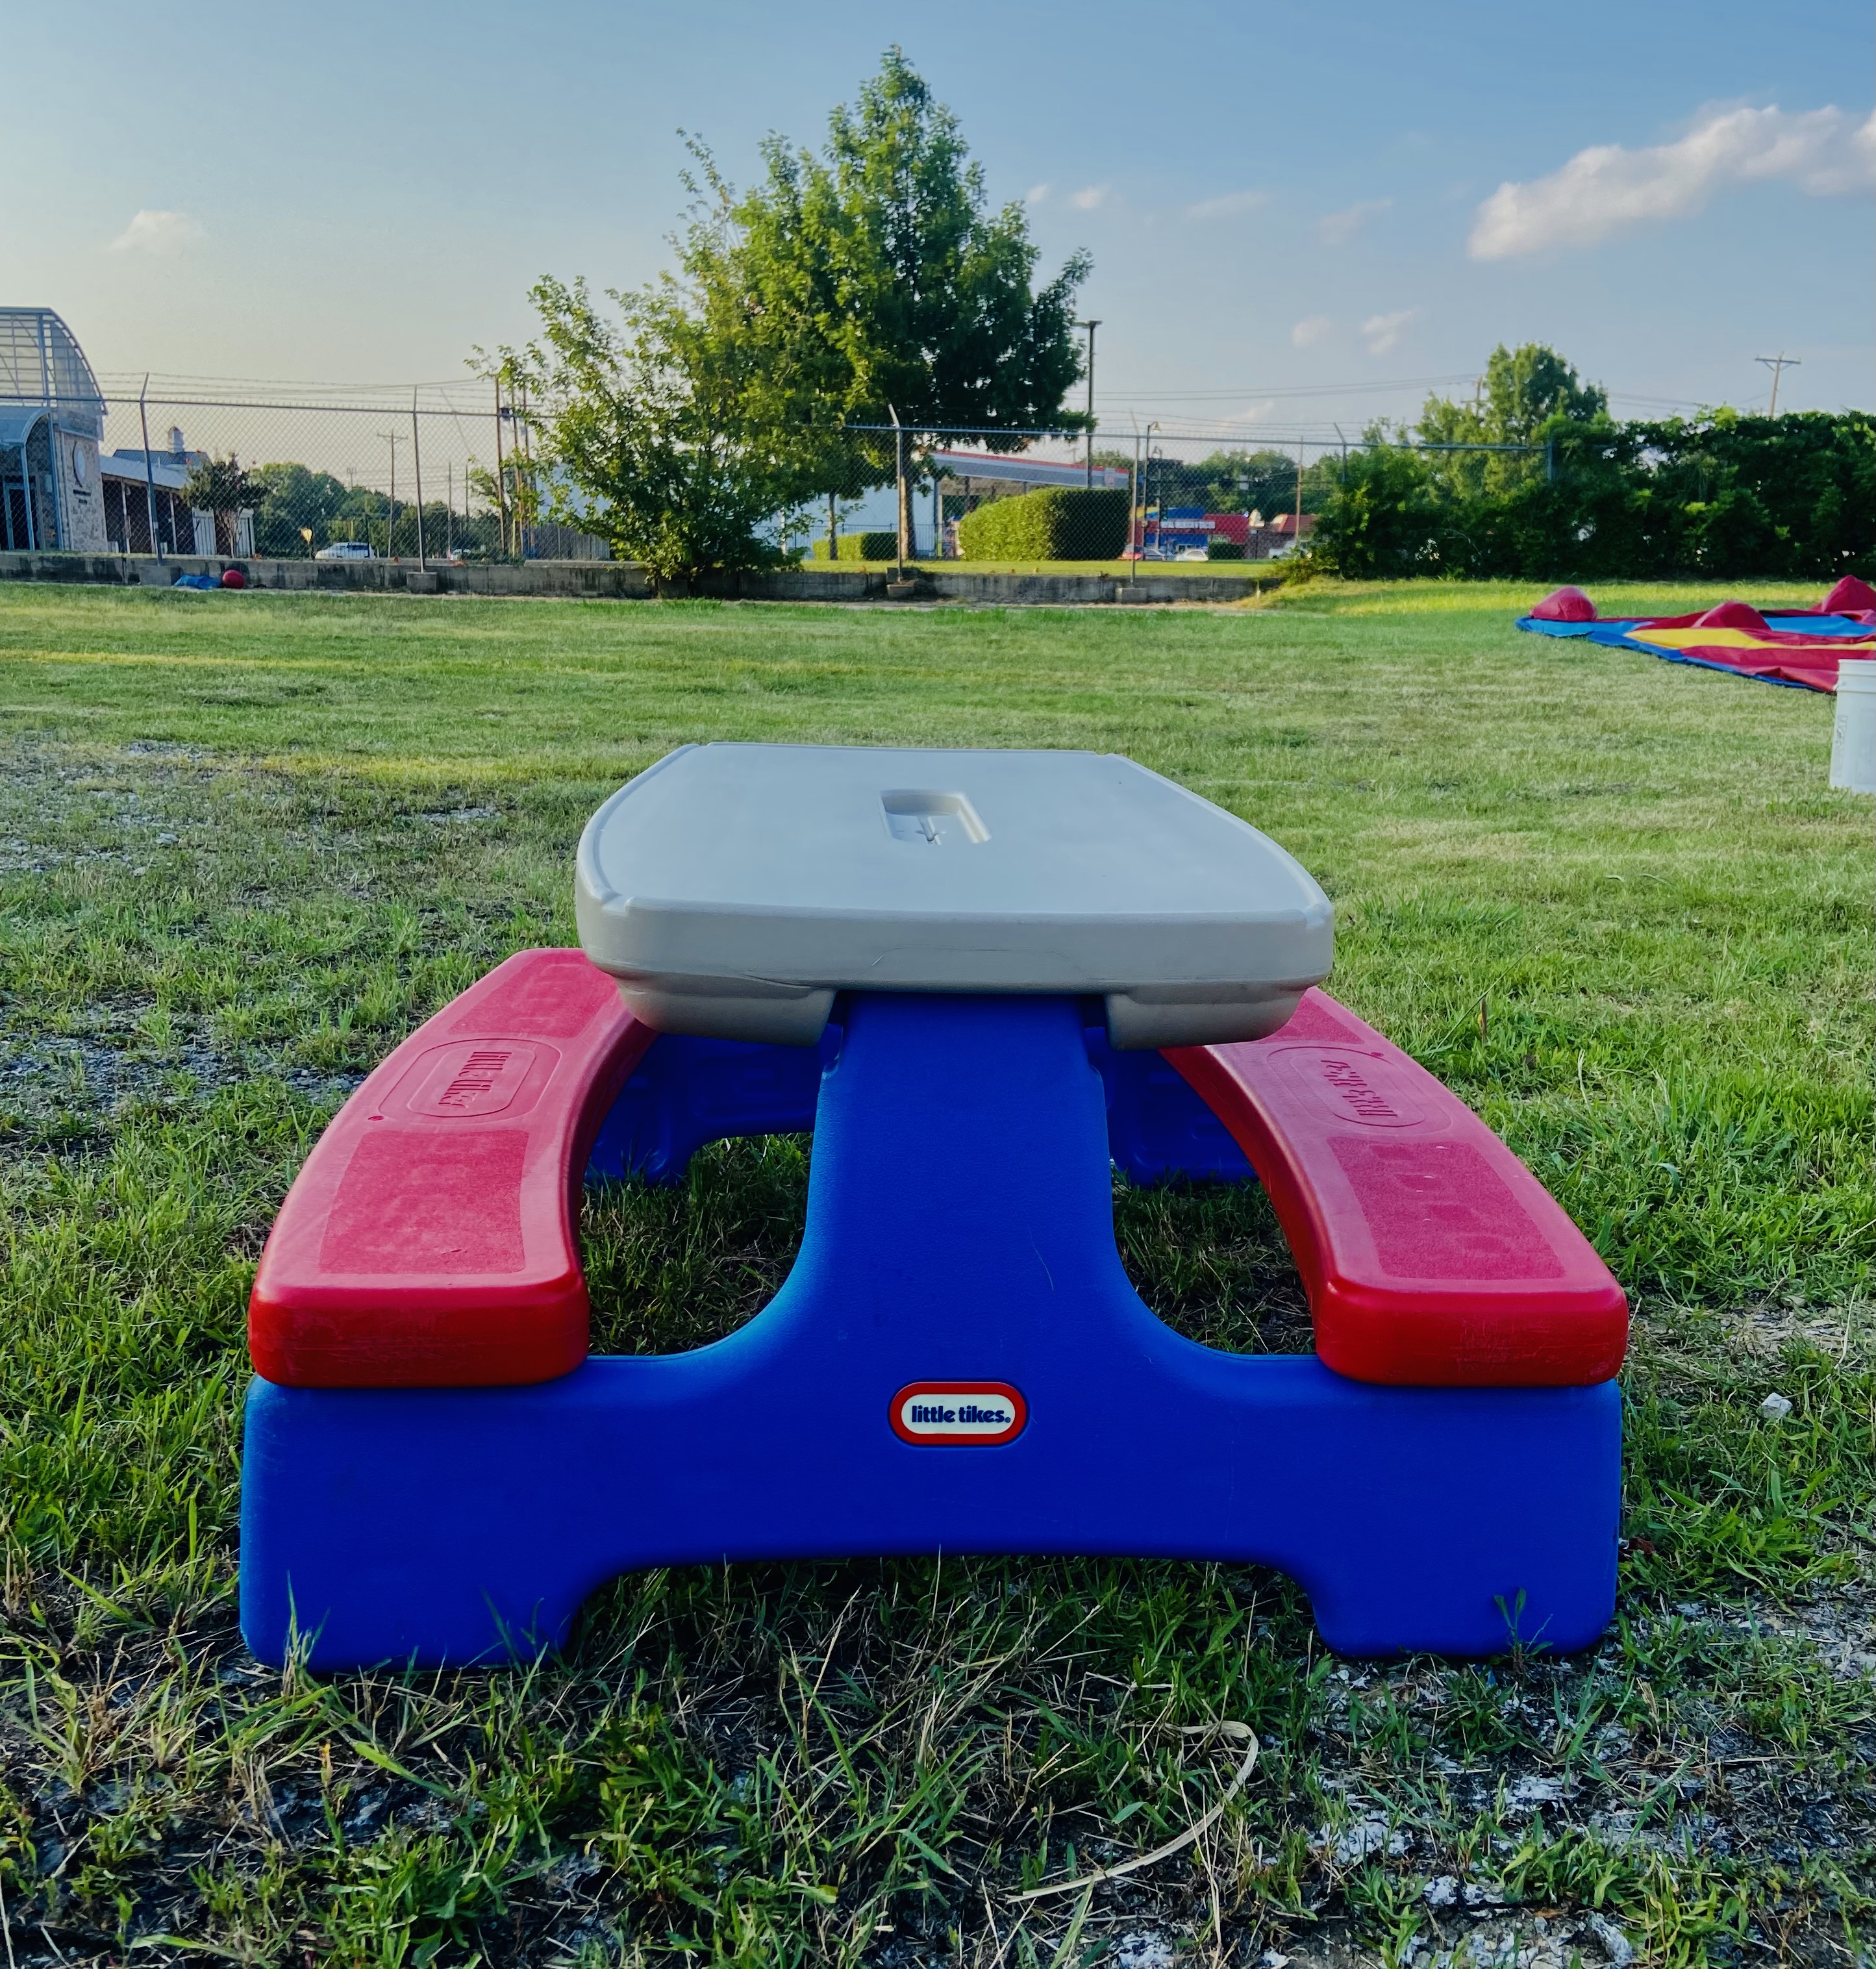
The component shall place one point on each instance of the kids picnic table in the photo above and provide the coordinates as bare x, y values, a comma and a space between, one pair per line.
983, 980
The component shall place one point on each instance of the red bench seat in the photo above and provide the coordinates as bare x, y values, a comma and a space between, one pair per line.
431, 1239
1430, 1254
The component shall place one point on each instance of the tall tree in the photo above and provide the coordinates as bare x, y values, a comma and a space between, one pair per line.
1521, 390
869, 285
1526, 395
873, 282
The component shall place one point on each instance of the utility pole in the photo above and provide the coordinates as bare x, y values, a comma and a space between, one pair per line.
1298, 547
390, 522
1777, 365
1090, 326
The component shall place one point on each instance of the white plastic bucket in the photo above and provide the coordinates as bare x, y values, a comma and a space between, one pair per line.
1853, 739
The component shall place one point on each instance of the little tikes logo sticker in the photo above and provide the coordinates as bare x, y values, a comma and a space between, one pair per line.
977, 1415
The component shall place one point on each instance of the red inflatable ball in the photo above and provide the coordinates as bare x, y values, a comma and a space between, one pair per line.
1565, 604
232, 577
1850, 597
1734, 615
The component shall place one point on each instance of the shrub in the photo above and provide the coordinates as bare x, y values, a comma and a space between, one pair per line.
881, 546
1385, 520
1225, 550
1058, 523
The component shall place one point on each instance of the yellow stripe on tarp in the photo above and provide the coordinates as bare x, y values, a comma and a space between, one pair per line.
1744, 639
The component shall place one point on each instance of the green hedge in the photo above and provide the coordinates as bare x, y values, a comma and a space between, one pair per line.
860, 546
1721, 497
1225, 550
1059, 522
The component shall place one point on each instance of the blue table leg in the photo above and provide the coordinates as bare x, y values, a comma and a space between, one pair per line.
959, 1232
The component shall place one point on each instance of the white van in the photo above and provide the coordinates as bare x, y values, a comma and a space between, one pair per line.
345, 550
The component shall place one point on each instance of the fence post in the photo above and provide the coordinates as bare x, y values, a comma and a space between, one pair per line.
149, 473
902, 491
416, 466
1136, 516
501, 489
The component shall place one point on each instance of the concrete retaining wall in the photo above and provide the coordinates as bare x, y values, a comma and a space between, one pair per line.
626, 581
616, 580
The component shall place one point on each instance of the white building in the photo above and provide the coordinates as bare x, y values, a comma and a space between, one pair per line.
59, 492
51, 422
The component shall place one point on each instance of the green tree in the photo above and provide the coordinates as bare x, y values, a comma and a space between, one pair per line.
646, 451
218, 485
1521, 390
873, 281
1530, 395
295, 497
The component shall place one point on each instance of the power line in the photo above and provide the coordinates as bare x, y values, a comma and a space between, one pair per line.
1289, 390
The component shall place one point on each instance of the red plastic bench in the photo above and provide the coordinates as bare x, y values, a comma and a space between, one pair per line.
1430, 1254
431, 1239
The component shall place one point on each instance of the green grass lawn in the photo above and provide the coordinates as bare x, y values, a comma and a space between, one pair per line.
248, 842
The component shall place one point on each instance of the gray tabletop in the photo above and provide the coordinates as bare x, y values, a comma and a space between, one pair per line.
734, 890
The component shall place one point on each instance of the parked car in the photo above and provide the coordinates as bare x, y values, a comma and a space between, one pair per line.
1192, 553
345, 550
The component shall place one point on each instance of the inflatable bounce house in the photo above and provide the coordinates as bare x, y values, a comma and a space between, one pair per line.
1800, 647
984, 980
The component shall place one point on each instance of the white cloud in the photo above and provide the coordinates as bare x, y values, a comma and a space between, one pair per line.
1339, 228
1606, 187
1035, 194
157, 233
1090, 197
1383, 331
1311, 329
1254, 413
1228, 204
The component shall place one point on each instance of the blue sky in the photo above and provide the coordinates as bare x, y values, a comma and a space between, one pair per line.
1277, 200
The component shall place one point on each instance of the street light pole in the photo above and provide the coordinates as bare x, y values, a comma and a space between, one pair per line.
1090, 326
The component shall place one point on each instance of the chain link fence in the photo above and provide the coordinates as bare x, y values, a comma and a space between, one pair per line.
1108, 501
449, 473
443, 474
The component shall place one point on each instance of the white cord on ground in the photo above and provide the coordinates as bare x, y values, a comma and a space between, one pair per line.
1199, 1827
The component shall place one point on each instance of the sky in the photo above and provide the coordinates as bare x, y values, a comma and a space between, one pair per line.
1298, 217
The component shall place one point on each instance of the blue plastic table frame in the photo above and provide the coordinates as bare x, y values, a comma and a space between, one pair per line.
959, 1228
